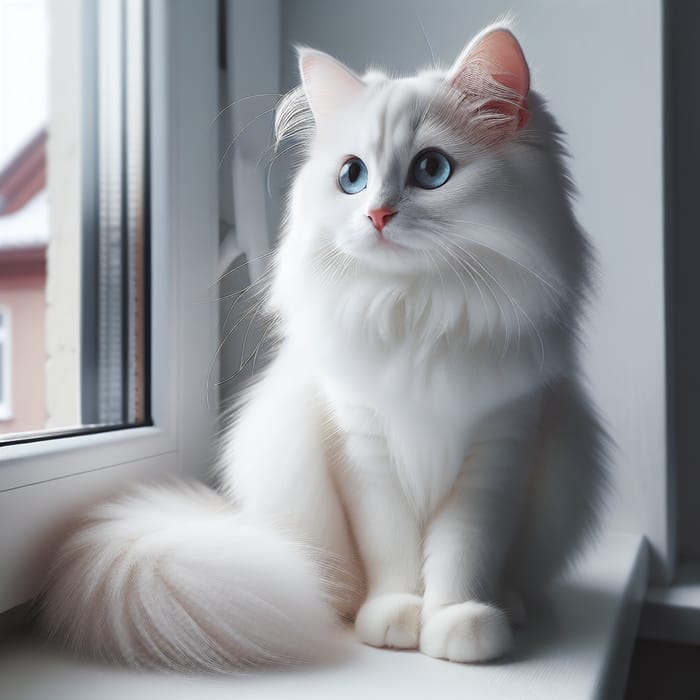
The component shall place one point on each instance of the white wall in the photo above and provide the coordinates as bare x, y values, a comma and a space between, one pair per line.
599, 64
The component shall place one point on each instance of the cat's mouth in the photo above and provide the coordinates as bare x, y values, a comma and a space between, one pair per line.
388, 236
383, 250
388, 239
381, 239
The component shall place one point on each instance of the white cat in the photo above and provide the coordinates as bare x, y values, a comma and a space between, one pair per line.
419, 456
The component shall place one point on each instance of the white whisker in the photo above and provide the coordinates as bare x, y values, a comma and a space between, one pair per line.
556, 292
506, 341
247, 330
461, 279
238, 267
240, 131
243, 99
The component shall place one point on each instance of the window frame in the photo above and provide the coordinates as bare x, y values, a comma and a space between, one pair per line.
41, 483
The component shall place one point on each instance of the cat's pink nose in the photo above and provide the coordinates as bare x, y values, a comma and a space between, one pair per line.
380, 217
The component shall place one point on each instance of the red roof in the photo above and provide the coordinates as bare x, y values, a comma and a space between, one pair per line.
24, 176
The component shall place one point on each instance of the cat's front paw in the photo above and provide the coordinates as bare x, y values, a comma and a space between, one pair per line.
391, 620
466, 632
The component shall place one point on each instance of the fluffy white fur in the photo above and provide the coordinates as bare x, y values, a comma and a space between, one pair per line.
172, 576
419, 455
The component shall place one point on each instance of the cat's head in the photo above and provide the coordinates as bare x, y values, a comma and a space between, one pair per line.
454, 176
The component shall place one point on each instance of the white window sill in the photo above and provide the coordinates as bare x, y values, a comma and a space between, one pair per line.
672, 613
577, 646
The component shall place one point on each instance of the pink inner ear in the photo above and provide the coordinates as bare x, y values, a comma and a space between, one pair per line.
327, 82
501, 52
498, 54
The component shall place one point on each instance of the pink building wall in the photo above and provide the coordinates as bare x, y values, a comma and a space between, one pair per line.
22, 291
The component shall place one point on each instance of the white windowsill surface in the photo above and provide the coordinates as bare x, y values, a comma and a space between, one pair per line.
576, 646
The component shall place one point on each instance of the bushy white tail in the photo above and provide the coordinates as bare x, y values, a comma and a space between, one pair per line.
172, 576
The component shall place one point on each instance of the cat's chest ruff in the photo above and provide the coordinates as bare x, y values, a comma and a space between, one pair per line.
447, 386
405, 441
414, 419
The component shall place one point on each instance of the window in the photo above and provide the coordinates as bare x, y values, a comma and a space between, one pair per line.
43, 481
74, 213
115, 215
5, 365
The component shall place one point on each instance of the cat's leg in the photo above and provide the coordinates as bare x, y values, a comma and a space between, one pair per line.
466, 545
388, 538
275, 467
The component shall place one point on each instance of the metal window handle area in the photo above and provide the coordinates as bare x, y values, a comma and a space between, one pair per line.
113, 382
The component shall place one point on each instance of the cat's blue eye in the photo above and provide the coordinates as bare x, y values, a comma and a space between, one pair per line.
353, 176
431, 169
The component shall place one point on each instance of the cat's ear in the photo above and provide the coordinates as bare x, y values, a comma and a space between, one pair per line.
328, 84
493, 72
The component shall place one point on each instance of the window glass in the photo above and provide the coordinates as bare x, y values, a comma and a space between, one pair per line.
73, 214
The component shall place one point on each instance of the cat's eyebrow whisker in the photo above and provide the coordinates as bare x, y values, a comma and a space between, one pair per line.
213, 364
243, 264
427, 41
235, 303
258, 307
240, 131
269, 148
218, 352
243, 99
240, 292
270, 326
293, 142
252, 356
277, 154
268, 182
429, 106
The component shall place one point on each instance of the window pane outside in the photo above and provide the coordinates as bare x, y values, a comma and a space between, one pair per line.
73, 242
